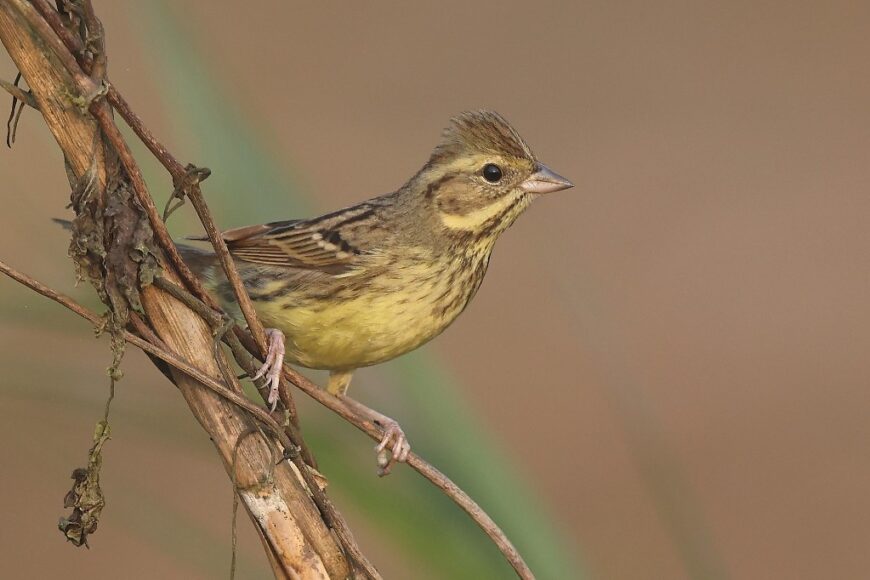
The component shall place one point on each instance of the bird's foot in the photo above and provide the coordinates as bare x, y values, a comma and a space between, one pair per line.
273, 365
393, 448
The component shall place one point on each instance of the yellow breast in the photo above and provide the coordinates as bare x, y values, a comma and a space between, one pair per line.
385, 317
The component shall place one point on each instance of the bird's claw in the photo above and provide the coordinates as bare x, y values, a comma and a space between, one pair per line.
273, 365
393, 448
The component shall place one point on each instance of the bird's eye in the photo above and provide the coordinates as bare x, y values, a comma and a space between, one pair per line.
492, 172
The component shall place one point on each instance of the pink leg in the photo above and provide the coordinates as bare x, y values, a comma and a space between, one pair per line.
273, 364
393, 447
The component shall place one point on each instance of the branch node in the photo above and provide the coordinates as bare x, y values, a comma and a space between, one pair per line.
84, 102
192, 176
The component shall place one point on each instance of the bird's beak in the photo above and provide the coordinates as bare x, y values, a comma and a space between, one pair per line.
545, 180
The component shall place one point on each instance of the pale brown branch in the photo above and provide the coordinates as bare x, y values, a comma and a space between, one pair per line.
286, 517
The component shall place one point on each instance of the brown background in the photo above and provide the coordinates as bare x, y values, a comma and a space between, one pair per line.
675, 351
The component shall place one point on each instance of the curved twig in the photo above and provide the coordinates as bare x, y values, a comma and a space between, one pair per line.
421, 466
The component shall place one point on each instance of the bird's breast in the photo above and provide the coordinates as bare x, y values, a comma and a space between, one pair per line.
367, 319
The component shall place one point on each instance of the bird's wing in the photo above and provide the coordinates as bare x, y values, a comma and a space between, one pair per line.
325, 243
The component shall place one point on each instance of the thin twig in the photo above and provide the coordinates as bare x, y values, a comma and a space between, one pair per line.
52, 16
19, 93
441, 481
12, 122
95, 41
18, 96
120, 104
223, 254
145, 331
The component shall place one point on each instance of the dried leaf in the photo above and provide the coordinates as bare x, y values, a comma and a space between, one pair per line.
86, 497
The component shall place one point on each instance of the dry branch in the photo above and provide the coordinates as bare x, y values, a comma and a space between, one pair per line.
303, 534
277, 497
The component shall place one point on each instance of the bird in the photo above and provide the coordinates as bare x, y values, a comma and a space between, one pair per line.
367, 283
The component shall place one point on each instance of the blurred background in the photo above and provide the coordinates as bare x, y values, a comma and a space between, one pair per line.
665, 373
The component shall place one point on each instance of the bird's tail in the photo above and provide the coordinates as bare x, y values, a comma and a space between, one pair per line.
200, 260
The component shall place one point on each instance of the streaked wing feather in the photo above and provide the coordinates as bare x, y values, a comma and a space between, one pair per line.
316, 244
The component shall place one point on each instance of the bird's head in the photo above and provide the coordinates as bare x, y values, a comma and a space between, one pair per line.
482, 175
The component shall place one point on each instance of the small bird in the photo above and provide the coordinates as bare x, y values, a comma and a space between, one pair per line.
367, 283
